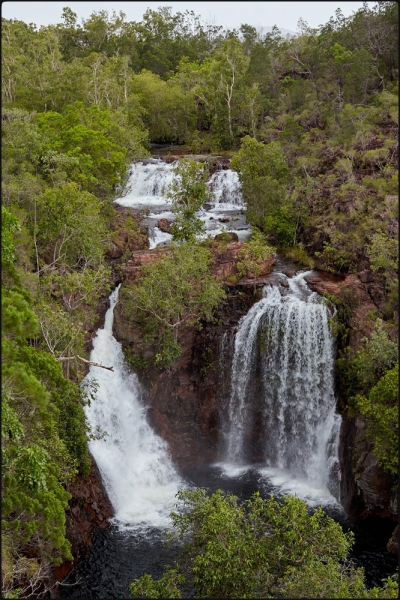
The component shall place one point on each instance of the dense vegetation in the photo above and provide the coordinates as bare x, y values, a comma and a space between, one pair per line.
259, 549
313, 120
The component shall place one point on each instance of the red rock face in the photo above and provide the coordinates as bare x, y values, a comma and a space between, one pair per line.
183, 399
366, 489
139, 258
89, 507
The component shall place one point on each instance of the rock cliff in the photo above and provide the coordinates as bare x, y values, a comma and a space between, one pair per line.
366, 489
183, 398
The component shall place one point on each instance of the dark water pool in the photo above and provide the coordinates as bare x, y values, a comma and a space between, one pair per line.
116, 558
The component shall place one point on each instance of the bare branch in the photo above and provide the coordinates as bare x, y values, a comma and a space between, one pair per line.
89, 362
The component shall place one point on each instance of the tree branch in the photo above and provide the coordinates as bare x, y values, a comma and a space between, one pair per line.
89, 362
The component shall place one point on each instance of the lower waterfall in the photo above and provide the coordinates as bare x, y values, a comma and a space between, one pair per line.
282, 377
136, 469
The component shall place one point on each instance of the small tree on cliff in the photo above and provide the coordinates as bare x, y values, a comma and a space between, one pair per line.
174, 291
188, 193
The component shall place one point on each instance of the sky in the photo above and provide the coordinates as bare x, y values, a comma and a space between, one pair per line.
228, 14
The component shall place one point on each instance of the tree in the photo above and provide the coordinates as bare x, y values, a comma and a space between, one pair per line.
264, 173
70, 226
9, 224
174, 291
381, 408
258, 549
188, 192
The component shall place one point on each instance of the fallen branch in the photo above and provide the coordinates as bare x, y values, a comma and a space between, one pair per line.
89, 362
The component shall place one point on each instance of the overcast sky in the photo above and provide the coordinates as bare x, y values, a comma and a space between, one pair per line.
228, 14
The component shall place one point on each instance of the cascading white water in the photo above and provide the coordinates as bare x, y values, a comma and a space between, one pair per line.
147, 187
147, 183
137, 472
149, 180
226, 189
287, 332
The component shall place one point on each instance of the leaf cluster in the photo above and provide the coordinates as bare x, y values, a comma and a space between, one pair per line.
257, 549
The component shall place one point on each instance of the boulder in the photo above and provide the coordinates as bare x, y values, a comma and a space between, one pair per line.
164, 225
365, 276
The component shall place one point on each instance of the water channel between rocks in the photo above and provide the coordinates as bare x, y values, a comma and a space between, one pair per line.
136, 469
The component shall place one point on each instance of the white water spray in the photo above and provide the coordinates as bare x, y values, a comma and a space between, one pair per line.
147, 188
136, 469
286, 334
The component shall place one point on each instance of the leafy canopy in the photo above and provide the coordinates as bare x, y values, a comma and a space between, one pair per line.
173, 291
258, 549
188, 192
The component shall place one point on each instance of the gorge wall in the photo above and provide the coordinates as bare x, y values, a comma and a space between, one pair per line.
183, 398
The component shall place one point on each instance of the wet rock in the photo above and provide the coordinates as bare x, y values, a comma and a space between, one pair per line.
320, 281
393, 543
183, 399
222, 236
366, 489
164, 225
170, 158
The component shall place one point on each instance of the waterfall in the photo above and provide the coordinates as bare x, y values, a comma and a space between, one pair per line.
137, 472
226, 189
146, 184
147, 187
285, 338
148, 181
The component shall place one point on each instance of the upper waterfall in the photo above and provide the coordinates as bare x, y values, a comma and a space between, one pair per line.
147, 188
136, 469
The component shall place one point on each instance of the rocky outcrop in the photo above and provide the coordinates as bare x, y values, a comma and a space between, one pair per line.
366, 489
393, 543
183, 399
89, 508
127, 234
131, 270
164, 225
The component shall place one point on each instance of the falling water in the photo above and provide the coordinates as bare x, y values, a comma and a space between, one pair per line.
147, 183
147, 187
286, 337
226, 189
138, 474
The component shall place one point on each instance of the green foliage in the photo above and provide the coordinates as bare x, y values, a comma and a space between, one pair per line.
263, 173
92, 138
71, 228
378, 355
174, 290
9, 224
165, 587
382, 411
334, 259
254, 253
299, 254
188, 192
262, 548
383, 254
43, 445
